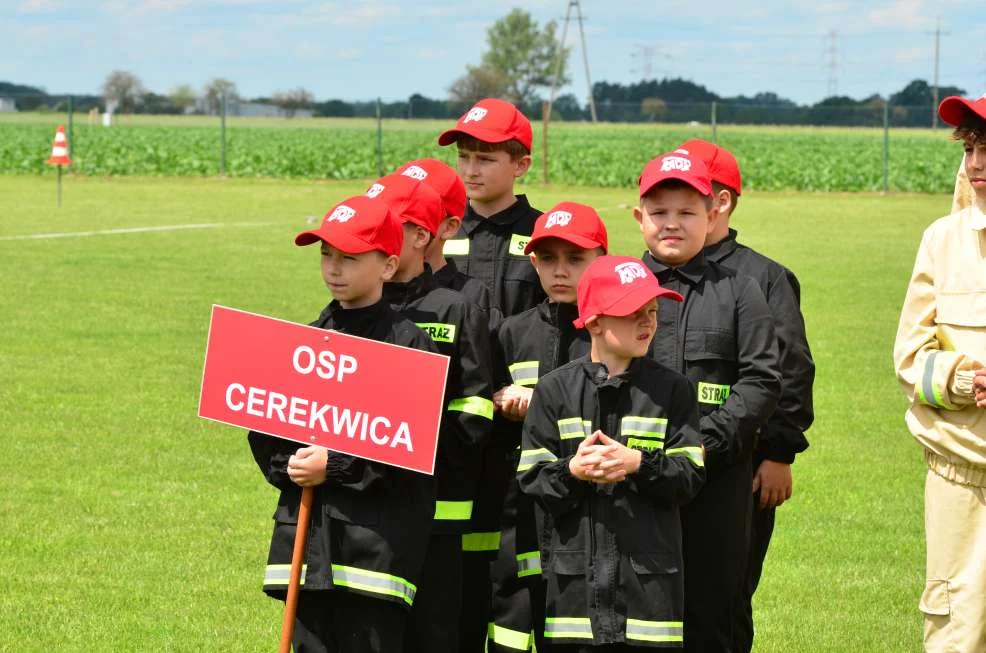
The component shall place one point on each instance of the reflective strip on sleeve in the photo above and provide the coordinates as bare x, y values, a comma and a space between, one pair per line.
655, 631
928, 392
453, 510
473, 405
568, 627
574, 427
644, 427
438, 332
481, 541
528, 564
524, 372
694, 454
517, 244
510, 638
373, 582
276, 575
529, 457
456, 247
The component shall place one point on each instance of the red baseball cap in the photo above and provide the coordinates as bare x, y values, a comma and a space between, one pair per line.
443, 179
722, 165
576, 223
409, 200
357, 225
953, 109
680, 165
617, 286
491, 121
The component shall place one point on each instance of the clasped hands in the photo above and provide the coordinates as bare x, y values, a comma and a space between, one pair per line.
601, 459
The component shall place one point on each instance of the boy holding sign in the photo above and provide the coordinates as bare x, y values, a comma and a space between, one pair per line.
370, 521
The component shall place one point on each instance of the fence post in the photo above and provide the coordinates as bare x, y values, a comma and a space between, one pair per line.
545, 119
715, 135
379, 141
222, 133
886, 147
70, 139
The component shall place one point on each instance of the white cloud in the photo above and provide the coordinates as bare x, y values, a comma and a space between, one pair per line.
901, 13
431, 54
39, 6
347, 53
912, 55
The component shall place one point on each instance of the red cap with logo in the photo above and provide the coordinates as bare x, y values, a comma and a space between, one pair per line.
491, 121
410, 201
617, 286
358, 225
576, 223
953, 109
722, 165
680, 165
443, 179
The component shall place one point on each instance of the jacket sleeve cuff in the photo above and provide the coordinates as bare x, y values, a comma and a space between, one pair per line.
961, 385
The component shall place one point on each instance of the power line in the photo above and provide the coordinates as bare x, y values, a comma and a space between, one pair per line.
831, 50
561, 58
645, 55
934, 90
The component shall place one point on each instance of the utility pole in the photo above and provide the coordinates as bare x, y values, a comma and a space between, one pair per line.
561, 58
831, 44
934, 89
646, 55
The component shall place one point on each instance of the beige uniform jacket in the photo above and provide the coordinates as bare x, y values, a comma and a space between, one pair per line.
963, 196
941, 341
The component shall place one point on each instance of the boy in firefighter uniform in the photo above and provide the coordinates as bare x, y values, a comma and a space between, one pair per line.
722, 338
610, 450
783, 437
566, 239
369, 521
494, 142
460, 331
939, 355
445, 181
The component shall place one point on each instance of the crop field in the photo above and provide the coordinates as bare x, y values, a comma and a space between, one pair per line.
791, 158
131, 525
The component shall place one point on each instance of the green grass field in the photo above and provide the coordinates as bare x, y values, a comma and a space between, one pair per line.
130, 524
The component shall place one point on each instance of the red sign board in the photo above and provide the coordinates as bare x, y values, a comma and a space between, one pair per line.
356, 396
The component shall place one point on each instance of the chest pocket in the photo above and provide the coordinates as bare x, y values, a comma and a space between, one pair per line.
710, 362
962, 309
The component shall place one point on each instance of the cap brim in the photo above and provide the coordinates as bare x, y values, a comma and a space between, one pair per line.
578, 241
342, 242
630, 303
704, 190
450, 136
953, 109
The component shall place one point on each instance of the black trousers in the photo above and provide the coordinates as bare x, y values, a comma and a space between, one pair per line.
583, 648
477, 601
716, 545
434, 617
762, 528
337, 621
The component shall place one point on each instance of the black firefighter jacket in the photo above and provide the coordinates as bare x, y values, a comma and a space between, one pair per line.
722, 338
613, 559
491, 250
369, 521
459, 330
783, 437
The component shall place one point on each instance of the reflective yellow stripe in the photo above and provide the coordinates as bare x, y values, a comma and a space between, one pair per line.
456, 247
453, 510
655, 631
481, 541
644, 427
473, 405
517, 244
510, 638
928, 391
524, 372
694, 454
528, 564
277, 575
571, 428
374, 582
529, 457
568, 627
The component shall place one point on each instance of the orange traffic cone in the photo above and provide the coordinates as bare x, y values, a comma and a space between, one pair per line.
59, 149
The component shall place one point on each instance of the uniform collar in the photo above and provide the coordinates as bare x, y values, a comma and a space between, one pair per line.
693, 270
599, 375
557, 314
402, 293
505, 218
448, 271
721, 250
352, 320
978, 215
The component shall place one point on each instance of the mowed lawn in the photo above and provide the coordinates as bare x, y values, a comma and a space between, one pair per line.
129, 524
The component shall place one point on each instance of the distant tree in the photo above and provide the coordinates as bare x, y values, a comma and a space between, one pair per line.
653, 107
525, 54
333, 108
182, 97
215, 89
567, 107
291, 101
123, 89
479, 82
919, 93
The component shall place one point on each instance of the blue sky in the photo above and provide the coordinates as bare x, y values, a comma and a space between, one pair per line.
363, 49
